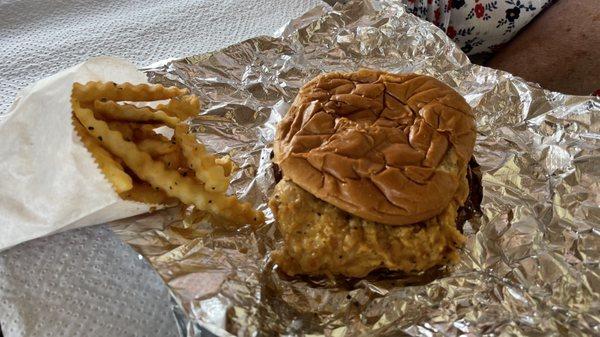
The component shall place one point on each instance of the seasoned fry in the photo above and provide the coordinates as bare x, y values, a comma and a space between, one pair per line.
143, 192
113, 171
156, 147
124, 128
131, 113
92, 91
145, 131
137, 131
181, 107
164, 170
172, 160
186, 189
203, 163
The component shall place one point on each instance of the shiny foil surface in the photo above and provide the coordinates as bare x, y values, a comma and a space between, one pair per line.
531, 265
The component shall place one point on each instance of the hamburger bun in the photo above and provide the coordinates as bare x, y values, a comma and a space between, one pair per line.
387, 148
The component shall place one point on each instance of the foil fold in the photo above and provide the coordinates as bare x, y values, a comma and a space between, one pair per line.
531, 265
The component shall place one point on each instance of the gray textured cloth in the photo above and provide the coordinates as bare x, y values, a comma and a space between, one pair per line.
81, 283
86, 282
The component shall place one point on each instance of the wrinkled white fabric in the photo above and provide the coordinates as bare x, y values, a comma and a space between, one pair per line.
39, 38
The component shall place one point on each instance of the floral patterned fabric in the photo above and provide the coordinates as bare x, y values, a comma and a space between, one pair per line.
478, 26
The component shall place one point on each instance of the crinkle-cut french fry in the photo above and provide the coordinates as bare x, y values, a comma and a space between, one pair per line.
94, 90
123, 127
173, 160
131, 113
182, 107
113, 171
186, 189
183, 170
227, 164
145, 131
137, 131
143, 192
156, 147
202, 162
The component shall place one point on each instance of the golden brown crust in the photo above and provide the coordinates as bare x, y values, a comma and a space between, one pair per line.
321, 239
387, 148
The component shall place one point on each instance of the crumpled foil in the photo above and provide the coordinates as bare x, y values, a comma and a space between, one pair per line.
531, 265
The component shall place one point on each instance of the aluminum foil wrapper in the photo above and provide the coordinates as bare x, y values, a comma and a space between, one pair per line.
531, 265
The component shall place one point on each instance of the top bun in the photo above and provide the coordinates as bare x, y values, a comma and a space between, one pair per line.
385, 147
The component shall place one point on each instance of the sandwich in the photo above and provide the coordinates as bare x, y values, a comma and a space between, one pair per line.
374, 171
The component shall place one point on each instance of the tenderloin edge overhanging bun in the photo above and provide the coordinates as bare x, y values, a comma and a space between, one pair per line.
387, 148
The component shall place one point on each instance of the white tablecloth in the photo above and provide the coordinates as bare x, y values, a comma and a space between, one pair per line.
86, 282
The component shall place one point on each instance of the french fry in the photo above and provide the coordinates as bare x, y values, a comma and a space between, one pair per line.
92, 91
156, 147
182, 107
131, 113
164, 171
203, 163
113, 171
137, 131
186, 189
124, 128
145, 131
173, 160
143, 192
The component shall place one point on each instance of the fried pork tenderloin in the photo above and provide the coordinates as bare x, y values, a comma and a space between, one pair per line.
374, 168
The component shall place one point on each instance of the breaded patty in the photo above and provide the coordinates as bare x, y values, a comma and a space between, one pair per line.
321, 239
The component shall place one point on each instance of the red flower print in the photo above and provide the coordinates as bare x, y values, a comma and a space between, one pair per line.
479, 10
429, 2
436, 13
451, 32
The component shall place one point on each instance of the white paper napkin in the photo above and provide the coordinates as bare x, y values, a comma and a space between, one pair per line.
50, 181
